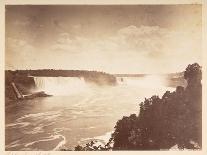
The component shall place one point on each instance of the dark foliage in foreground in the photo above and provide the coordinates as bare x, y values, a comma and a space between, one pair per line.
92, 146
174, 119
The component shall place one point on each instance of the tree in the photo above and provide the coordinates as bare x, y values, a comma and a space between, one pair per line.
193, 75
163, 123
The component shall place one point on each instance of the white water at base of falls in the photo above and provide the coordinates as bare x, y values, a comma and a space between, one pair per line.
60, 86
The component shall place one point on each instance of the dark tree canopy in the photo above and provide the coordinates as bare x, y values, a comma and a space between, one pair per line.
193, 74
174, 119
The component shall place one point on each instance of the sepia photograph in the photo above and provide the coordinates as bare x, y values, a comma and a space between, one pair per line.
103, 77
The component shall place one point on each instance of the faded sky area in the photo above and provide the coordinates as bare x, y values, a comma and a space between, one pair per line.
114, 39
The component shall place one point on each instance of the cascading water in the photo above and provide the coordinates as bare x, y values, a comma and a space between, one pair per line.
60, 86
152, 82
145, 81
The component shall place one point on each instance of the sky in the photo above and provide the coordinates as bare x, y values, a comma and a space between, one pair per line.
109, 38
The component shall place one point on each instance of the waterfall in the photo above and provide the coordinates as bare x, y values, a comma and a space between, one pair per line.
60, 86
155, 81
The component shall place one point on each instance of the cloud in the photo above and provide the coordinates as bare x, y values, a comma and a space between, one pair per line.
19, 53
161, 46
143, 39
131, 49
23, 23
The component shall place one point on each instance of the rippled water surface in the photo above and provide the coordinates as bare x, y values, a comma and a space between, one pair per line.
90, 112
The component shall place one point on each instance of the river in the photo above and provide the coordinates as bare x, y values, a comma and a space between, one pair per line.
76, 113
